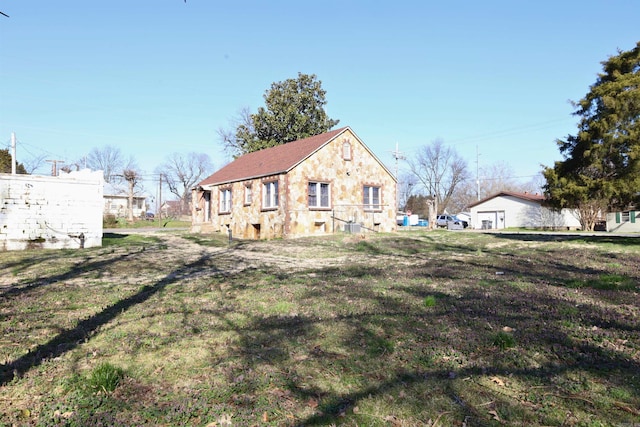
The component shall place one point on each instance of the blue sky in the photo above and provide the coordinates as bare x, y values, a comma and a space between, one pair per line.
154, 77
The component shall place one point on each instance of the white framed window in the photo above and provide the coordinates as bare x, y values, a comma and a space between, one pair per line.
346, 150
270, 195
319, 195
371, 197
225, 200
248, 195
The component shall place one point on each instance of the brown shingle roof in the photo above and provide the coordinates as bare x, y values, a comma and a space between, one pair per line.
271, 161
535, 197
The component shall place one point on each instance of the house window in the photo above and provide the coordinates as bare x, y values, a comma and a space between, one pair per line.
248, 195
371, 198
627, 216
270, 195
346, 150
225, 200
319, 195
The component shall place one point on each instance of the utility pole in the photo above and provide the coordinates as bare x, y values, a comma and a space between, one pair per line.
13, 153
54, 166
477, 172
159, 208
398, 155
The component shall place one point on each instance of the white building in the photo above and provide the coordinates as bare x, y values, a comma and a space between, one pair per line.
51, 212
519, 210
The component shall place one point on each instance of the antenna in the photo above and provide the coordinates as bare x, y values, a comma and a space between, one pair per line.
398, 155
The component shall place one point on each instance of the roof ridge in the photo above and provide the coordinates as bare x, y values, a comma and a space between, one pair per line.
272, 160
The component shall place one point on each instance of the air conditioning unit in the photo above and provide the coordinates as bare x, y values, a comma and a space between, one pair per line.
352, 227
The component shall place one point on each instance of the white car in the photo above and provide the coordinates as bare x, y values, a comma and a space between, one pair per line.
443, 221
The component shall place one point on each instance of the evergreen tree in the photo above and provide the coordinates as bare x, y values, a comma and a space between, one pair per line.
601, 166
5, 163
294, 110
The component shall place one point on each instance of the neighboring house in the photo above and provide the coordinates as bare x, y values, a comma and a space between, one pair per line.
626, 221
317, 185
116, 201
172, 208
519, 210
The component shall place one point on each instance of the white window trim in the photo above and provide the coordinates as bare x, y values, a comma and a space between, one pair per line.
346, 150
270, 199
368, 199
318, 195
248, 195
225, 200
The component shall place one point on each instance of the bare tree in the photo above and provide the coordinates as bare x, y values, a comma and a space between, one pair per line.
440, 170
242, 123
108, 159
182, 172
493, 178
497, 177
407, 183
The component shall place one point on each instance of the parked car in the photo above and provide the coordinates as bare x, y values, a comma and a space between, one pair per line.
149, 216
443, 221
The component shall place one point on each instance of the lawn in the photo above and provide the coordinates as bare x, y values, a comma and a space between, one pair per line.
410, 329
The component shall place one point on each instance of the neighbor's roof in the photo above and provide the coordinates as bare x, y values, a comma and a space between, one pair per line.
532, 197
271, 161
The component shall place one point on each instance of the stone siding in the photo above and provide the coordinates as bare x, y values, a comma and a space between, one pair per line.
293, 217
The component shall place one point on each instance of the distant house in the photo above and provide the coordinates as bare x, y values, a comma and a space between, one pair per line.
318, 185
172, 208
519, 210
624, 221
116, 202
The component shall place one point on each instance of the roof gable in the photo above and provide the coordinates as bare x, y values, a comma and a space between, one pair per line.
523, 196
271, 161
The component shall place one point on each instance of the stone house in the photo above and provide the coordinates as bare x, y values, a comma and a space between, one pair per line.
318, 185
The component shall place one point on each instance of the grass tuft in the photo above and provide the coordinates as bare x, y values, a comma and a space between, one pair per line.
504, 340
105, 378
430, 301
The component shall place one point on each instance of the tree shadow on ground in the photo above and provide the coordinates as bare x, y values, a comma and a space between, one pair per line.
464, 321
559, 237
72, 271
69, 339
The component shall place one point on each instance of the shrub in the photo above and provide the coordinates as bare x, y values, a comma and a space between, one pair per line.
109, 221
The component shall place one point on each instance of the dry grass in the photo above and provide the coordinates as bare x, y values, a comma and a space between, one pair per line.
422, 328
